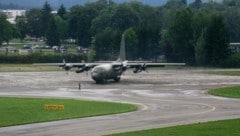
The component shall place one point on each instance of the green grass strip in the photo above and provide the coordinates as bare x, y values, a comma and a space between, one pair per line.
216, 128
232, 92
16, 111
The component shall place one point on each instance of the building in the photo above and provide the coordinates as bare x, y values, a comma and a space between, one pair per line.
12, 14
9, 49
234, 47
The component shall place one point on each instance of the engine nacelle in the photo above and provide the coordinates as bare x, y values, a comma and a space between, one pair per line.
67, 67
84, 68
87, 67
79, 71
124, 68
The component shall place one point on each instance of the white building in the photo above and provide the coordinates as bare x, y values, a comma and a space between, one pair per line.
12, 14
234, 47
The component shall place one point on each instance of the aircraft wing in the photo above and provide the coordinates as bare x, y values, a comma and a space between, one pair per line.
139, 67
78, 65
134, 65
81, 67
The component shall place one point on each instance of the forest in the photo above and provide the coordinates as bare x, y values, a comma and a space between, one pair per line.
197, 33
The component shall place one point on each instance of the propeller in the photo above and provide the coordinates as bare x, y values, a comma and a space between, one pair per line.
66, 66
139, 68
85, 68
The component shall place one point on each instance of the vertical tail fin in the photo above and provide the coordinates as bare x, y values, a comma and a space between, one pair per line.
122, 53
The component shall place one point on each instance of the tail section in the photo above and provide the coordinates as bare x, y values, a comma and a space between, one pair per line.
122, 54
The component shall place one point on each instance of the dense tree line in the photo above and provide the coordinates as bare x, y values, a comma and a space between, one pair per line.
197, 33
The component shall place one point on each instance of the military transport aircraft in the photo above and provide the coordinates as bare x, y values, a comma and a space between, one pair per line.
103, 71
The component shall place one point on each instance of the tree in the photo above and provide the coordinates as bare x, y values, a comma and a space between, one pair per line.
119, 17
101, 22
62, 11
123, 18
175, 4
73, 20
21, 24
33, 17
200, 50
180, 34
184, 2
2, 27
62, 27
230, 2
200, 22
80, 21
238, 4
52, 34
92, 52
15, 32
196, 4
107, 44
148, 30
216, 40
131, 44
143, 19
6, 29
168, 51
46, 15
232, 19
212, 6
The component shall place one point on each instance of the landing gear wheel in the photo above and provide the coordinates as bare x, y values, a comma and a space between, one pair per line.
100, 81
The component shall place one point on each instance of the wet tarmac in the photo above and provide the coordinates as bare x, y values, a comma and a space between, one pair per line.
164, 97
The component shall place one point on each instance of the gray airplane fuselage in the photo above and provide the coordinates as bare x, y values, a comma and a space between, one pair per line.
105, 72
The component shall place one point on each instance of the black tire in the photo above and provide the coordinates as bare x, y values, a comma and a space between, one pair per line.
99, 81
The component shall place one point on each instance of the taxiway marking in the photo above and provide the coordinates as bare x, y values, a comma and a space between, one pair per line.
145, 107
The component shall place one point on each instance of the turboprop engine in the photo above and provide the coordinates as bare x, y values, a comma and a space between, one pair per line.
66, 66
86, 68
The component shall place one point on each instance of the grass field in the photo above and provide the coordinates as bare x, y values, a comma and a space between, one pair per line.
16, 111
216, 128
26, 68
227, 73
232, 92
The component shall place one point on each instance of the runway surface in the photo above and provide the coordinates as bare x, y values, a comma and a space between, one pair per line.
164, 97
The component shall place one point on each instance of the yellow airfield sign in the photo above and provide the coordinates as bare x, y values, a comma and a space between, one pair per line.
53, 107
